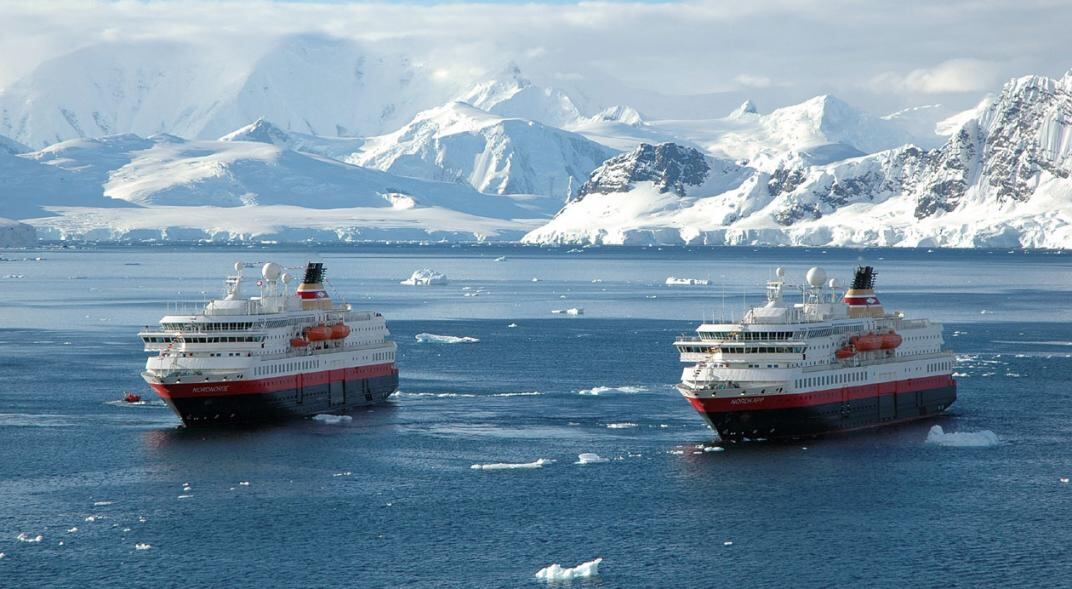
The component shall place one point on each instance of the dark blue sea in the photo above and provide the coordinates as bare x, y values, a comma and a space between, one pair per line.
390, 499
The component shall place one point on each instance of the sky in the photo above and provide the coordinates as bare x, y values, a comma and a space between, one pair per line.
879, 55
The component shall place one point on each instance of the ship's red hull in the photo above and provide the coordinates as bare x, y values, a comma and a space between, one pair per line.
830, 411
210, 403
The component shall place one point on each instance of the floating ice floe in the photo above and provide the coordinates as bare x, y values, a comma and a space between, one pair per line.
728, 543
672, 281
500, 259
556, 572
1064, 480
93, 518
714, 449
24, 537
244, 483
425, 277
621, 425
510, 466
102, 503
328, 419
431, 338
571, 311
590, 458
596, 391
184, 496
980, 439
342, 474
72, 530
142, 546
512, 325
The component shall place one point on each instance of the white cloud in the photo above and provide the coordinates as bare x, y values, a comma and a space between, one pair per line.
950, 76
873, 54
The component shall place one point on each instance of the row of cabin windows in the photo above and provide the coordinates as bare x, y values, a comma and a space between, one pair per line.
203, 340
287, 367
747, 349
780, 335
383, 356
240, 325
937, 366
830, 379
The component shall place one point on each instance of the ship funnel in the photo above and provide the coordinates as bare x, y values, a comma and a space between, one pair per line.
311, 290
860, 297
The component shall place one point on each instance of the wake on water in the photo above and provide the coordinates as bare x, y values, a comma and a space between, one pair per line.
431, 338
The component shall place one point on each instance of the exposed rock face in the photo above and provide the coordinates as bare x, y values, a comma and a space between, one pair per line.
15, 234
671, 167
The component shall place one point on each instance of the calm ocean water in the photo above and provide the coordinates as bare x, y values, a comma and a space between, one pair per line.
389, 499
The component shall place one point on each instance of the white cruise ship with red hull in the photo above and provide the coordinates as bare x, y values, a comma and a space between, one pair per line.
276, 355
828, 363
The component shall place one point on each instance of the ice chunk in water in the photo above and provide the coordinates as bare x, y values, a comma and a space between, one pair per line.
556, 572
590, 458
24, 537
431, 338
509, 466
980, 439
621, 425
332, 419
142, 546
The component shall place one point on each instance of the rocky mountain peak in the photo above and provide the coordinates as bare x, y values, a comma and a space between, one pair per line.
747, 108
669, 166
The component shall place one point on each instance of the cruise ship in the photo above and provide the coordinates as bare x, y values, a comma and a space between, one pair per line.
828, 363
271, 355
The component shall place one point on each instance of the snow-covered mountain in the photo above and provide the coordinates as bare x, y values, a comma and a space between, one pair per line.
310, 84
824, 129
499, 155
15, 234
127, 185
1002, 179
512, 95
262, 131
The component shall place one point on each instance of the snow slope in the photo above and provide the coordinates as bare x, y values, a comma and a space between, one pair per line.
458, 142
116, 185
512, 95
1001, 180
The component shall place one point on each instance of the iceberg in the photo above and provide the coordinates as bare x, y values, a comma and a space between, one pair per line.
431, 338
590, 458
329, 419
512, 466
24, 537
556, 572
425, 277
571, 311
980, 439
672, 281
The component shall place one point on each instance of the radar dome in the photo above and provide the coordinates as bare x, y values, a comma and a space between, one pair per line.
271, 271
286, 278
816, 277
779, 272
238, 267
833, 283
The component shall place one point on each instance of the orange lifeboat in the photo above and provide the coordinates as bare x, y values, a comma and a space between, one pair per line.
845, 352
340, 331
298, 342
867, 343
891, 340
318, 333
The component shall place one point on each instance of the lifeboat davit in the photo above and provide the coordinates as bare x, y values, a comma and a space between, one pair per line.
340, 331
891, 340
298, 342
867, 343
318, 333
845, 352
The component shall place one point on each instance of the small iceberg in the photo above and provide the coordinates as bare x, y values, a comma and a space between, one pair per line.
980, 439
511, 466
431, 338
512, 325
500, 259
425, 277
142, 546
24, 537
556, 572
590, 458
674, 281
625, 425
329, 419
570, 311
